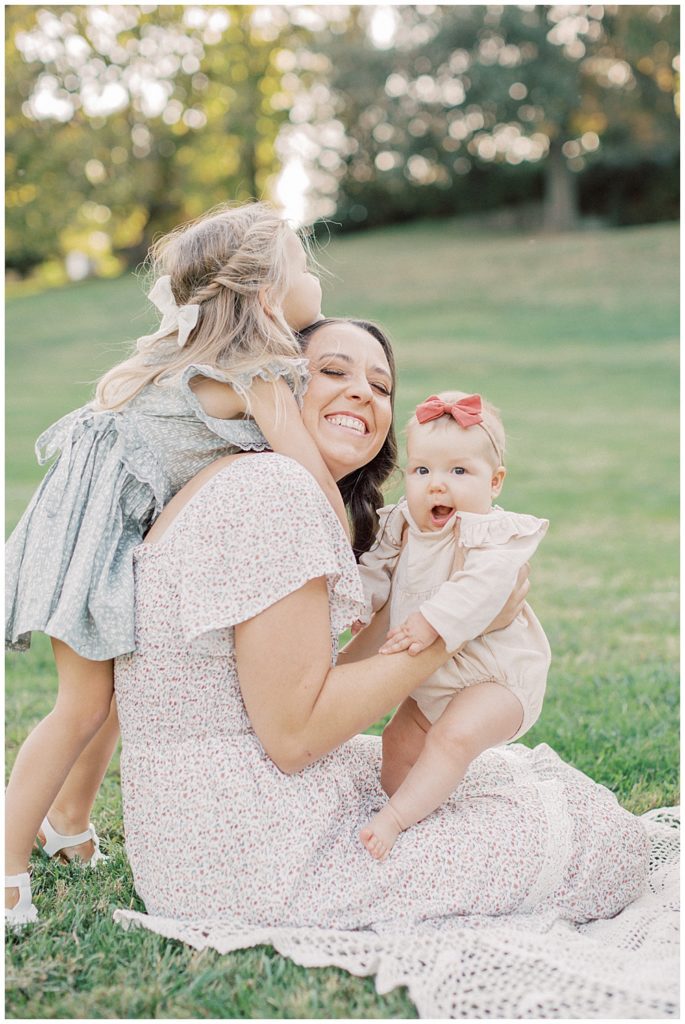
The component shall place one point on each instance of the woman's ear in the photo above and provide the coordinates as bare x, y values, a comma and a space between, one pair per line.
497, 481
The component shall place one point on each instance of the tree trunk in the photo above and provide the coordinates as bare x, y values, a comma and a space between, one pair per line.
561, 193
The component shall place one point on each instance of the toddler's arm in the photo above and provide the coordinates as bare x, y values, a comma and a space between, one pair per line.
276, 412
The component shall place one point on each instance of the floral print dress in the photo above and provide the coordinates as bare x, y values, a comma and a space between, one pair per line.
220, 839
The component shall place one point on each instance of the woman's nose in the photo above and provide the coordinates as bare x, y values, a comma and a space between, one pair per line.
359, 388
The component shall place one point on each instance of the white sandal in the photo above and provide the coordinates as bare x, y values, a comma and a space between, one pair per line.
55, 843
23, 912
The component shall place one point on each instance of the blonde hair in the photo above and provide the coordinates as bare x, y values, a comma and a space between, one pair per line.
492, 424
222, 262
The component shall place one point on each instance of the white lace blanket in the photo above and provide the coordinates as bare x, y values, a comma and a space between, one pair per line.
525, 965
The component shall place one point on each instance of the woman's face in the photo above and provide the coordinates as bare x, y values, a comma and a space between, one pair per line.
347, 406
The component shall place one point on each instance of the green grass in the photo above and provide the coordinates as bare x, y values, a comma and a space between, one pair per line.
575, 339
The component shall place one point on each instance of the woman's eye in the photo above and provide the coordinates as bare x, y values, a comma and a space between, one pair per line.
459, 470
330, 372
382, 389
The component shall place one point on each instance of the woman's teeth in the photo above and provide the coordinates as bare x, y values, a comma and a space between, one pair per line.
348, 421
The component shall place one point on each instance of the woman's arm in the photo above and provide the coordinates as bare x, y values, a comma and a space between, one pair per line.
369, 641
300, 707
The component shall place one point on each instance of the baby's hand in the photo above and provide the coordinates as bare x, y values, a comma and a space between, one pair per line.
413, 636
356, 627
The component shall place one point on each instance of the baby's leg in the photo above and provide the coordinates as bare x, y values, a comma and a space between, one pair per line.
476, 718
47, 755
403, 739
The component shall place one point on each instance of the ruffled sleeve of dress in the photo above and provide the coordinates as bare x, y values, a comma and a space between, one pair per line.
495, 546
244, 433
376, 566
261, 528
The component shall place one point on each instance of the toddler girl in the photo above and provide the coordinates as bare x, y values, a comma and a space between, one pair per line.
448, 560
223, 373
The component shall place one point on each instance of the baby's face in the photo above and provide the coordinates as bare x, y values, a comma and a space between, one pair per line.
449, 469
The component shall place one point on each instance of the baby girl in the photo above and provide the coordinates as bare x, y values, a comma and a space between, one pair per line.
448, 559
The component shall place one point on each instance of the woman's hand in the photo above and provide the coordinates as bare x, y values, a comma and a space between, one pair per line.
515, 601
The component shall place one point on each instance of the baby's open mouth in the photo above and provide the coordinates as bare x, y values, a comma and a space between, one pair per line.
440, 514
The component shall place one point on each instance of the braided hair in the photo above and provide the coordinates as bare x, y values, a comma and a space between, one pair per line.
226, 262
361, 490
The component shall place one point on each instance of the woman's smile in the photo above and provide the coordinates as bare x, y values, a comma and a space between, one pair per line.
348, 421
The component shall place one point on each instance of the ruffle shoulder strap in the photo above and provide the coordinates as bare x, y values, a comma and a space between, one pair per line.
391, 519
498, 527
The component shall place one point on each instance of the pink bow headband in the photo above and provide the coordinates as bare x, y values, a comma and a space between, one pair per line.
468, 412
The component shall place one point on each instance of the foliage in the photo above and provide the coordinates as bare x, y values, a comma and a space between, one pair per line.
156, 113
124, 120
540, 89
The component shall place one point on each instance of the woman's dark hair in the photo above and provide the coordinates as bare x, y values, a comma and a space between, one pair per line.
361, 489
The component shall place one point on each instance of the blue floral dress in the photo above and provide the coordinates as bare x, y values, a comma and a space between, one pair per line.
69, 566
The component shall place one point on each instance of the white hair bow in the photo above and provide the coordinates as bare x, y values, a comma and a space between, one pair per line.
174, 318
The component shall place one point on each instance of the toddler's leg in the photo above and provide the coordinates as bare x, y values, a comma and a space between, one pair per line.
71, 810
47, 755
476, 718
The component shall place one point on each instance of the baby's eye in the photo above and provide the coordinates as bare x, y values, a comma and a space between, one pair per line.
421, 470
459, 470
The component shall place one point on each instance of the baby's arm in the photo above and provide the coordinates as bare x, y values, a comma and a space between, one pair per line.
467, 603
476, 718
275, 410
413, 636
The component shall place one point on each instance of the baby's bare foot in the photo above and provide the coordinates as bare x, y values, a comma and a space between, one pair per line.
381, 832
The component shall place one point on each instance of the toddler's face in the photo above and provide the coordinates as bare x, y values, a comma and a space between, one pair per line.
302, 302
450, 469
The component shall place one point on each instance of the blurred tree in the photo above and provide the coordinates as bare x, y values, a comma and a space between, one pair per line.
451, 89
124, 120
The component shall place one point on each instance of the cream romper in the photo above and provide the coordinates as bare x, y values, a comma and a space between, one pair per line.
459, 584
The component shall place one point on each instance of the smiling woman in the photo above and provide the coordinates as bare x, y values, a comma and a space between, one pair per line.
349, 400
244, 782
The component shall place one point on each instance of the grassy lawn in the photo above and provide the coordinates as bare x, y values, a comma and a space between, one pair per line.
575, 339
